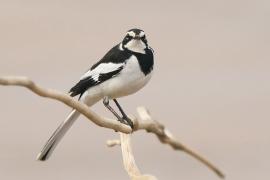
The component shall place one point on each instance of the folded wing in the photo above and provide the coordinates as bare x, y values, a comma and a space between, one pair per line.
93, 77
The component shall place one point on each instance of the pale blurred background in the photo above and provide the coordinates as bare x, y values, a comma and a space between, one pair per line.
211, 86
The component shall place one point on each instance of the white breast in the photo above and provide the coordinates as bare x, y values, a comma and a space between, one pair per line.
130, 80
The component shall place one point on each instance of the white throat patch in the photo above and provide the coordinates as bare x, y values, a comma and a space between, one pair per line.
136, 46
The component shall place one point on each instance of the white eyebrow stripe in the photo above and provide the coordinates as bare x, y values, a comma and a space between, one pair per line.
131, 33
142, 34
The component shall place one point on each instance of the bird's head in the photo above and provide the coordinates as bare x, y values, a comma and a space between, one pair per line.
135, 41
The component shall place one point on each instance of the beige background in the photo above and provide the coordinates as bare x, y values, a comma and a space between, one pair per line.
211, 86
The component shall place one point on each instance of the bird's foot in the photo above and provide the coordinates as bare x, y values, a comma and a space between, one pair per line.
122, 120
128, 121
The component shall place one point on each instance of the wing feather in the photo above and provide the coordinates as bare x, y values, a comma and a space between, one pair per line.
101, 73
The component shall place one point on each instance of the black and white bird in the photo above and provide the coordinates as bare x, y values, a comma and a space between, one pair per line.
124, 70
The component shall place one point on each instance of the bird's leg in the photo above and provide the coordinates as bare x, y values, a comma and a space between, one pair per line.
107, 105
125, 117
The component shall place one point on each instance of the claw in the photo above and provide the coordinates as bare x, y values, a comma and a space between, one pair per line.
129, 122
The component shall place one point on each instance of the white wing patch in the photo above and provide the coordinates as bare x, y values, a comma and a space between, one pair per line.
121, 47
102, 68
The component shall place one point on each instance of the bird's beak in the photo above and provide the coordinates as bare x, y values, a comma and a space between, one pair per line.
137, 37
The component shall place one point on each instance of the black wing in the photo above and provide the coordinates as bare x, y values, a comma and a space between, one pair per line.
115, 55
82, 86
89, 82
109, 66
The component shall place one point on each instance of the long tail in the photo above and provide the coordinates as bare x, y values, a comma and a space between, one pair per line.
57, 136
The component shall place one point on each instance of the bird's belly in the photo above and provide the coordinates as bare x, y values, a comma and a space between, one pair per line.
130, 80
124, 85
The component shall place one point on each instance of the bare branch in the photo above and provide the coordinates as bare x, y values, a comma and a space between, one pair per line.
144, 121
66, 99
128, 158
164, 135
129, 161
